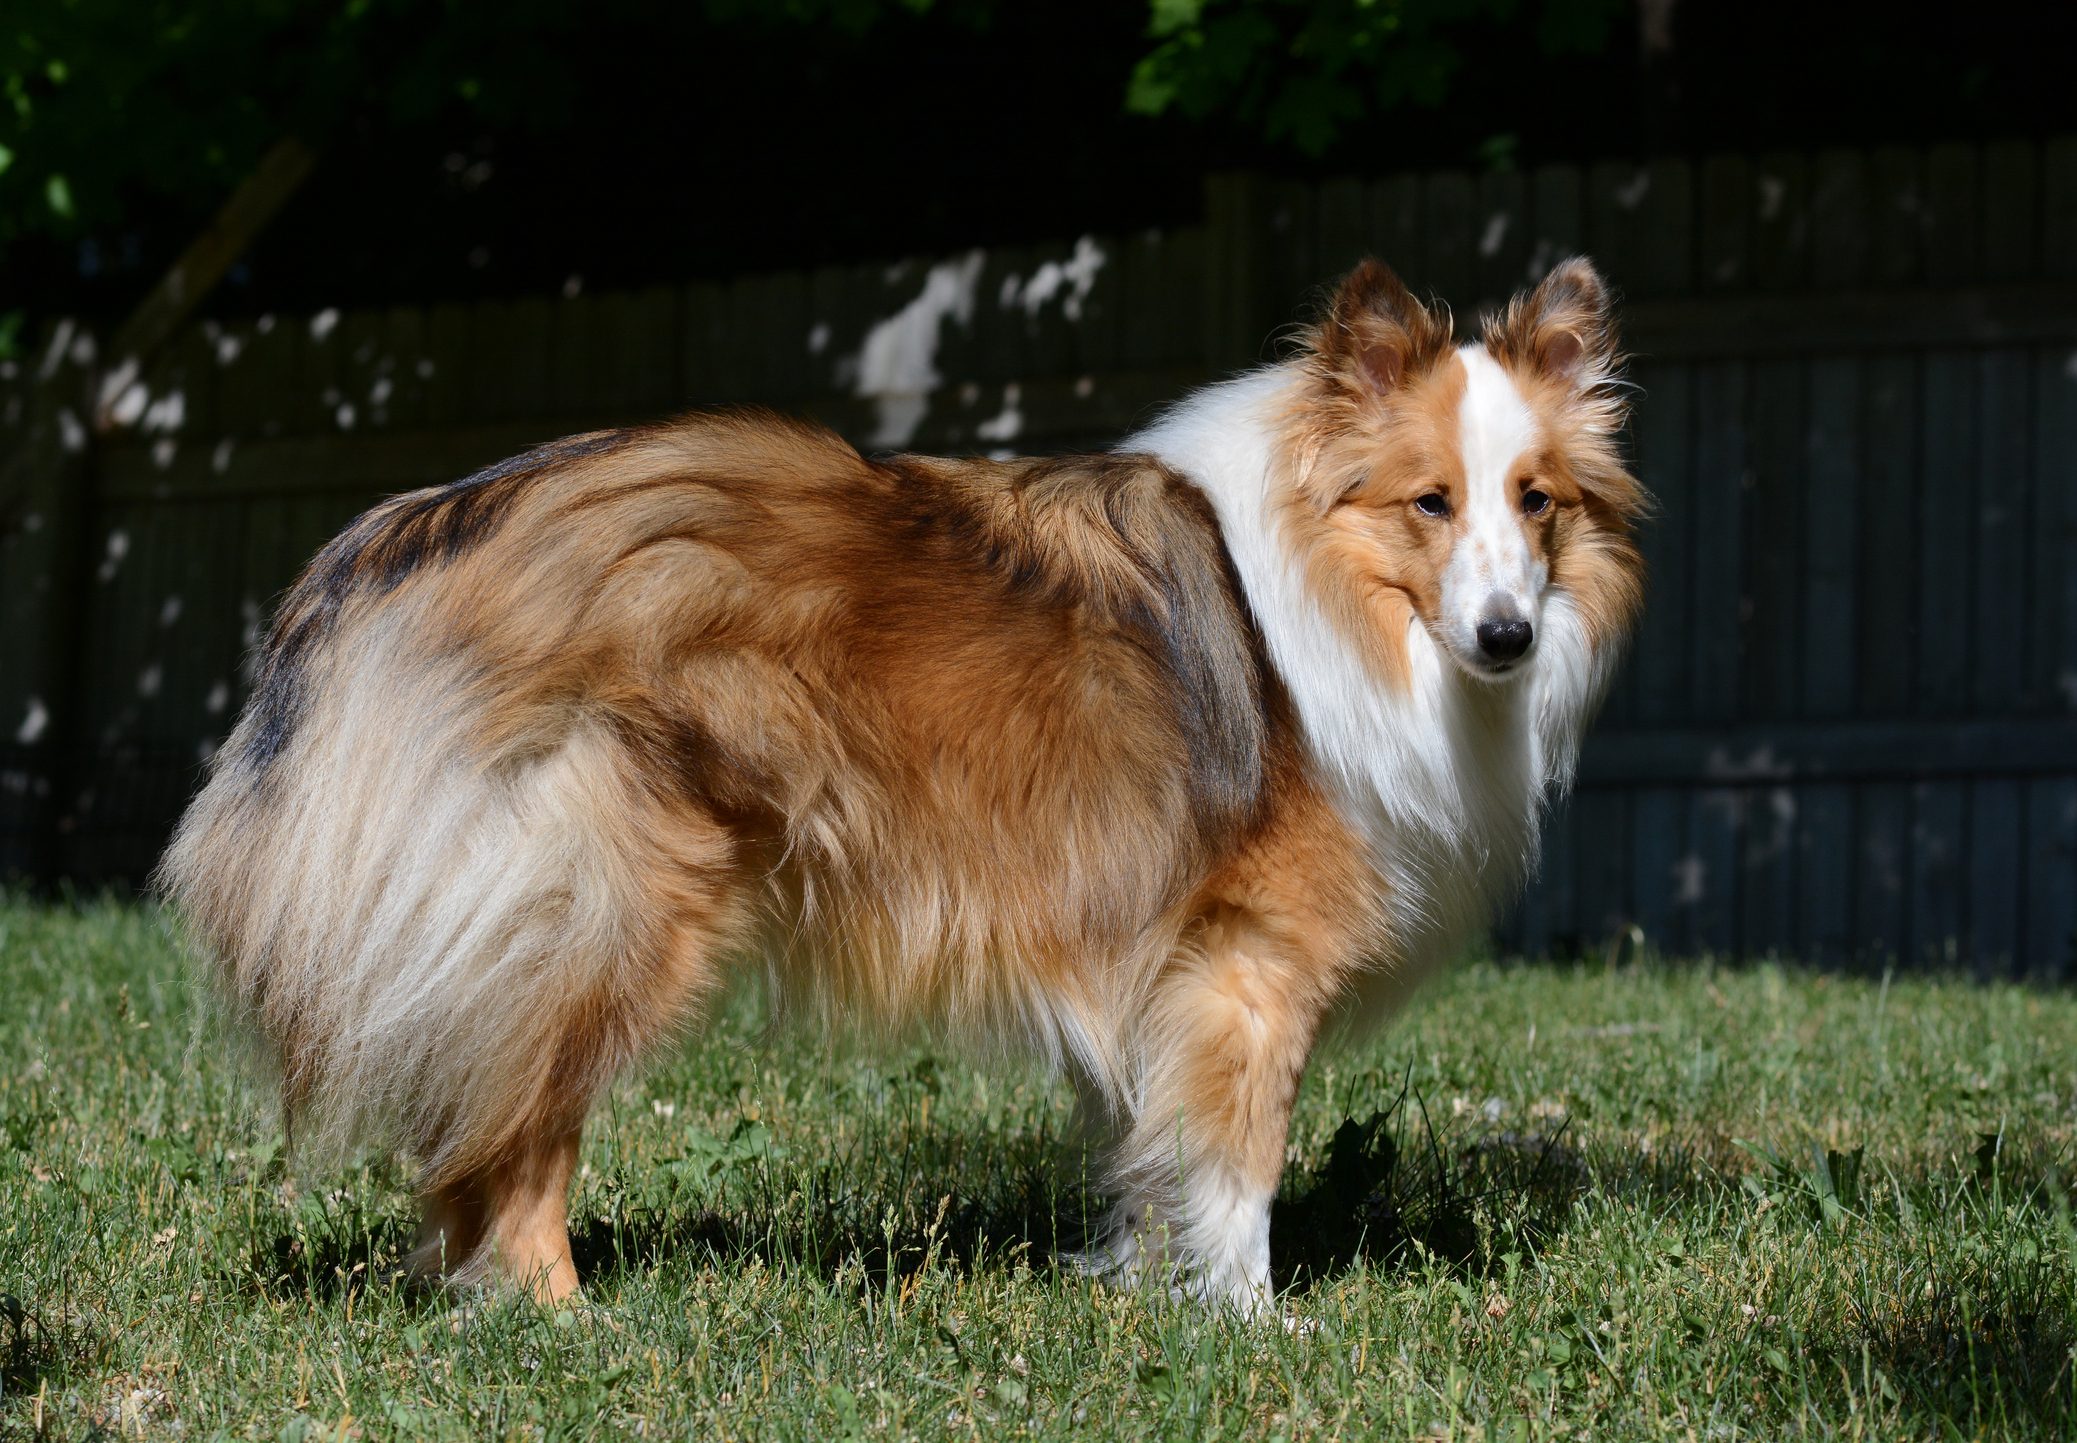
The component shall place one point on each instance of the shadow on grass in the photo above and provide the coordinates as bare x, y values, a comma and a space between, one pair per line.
37, 1345
845, 1215
1992, 1347
1391, 1192
1393, 1195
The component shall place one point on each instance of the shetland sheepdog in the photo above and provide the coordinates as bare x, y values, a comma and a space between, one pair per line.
1154, 761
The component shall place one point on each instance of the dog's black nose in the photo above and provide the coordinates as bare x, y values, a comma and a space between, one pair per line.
1505, 639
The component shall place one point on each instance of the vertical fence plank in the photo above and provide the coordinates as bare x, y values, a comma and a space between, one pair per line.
1709, 894
575, 347
1711, 888
1042, 307
1293, 271
1558, 922
1882, 867
2050, 943
1896, 238
1948, 444
1723, 257
2050, 939
702, 345
1447, 200
1660, 666
318, 405
1886, 631
443, 365
258, 378
1996, 870
1502, 235
1236, 213
1343, 230
1826, 850
1946, 515
1610, 894
1096, 333
363, 402
1399, 219
1775, 522
397, 392
1939, 819
1558, 215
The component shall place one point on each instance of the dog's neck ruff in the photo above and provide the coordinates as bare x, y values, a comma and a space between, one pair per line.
1446, 776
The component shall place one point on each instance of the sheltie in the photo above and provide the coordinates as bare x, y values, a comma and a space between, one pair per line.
1153, 761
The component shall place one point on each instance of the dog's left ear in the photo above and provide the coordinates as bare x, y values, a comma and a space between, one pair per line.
1564, 328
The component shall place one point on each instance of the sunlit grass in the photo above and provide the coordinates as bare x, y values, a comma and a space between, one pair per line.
1647, 1201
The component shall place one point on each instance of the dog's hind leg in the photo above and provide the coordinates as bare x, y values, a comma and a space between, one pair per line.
509, 1219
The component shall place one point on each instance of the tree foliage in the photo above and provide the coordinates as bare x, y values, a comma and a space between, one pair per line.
1301, 72
117, 106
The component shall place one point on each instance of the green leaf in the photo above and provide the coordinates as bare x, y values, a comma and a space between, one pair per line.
1151, 90
57, 191
1166, 17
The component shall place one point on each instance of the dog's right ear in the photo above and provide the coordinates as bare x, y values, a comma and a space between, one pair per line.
1376, 336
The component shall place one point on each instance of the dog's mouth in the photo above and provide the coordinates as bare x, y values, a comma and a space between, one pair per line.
1481, 667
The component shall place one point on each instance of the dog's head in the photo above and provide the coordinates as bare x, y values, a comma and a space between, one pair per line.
1468, 483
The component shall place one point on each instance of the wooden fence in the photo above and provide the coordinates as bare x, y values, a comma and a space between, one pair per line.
1848, 730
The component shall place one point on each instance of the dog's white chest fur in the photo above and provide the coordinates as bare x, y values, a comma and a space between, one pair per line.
1445, 777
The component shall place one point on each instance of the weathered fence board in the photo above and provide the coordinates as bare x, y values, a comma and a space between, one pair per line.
1848, 729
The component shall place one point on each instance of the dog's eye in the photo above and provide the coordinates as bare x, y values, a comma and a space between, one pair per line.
1433, 504
1535, 503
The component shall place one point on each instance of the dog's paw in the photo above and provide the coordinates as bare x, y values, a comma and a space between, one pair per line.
1119, 1263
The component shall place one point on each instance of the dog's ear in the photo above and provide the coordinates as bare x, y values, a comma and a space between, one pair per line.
1565, 328
1376, 336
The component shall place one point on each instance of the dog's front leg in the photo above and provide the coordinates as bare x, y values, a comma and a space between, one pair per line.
1231, 1022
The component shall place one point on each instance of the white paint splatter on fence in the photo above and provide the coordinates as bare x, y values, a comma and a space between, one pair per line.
1495, 234
896, 368
1007, 423
1690, 880
1071, 280
167, 413
112, 558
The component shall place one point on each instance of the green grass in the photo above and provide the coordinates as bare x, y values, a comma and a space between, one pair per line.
1643, 1201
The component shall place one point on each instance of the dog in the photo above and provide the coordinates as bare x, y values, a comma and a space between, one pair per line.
1157, 761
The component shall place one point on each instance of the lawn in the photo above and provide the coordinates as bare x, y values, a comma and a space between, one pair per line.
1648, 1200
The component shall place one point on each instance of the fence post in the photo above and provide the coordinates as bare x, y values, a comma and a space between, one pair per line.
1236, 215
46, 487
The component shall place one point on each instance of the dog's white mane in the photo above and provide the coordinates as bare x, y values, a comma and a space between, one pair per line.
1447, 778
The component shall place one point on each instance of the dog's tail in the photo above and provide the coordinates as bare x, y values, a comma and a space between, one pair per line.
452, 916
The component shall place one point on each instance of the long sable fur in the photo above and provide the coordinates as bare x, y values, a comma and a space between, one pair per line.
529, 755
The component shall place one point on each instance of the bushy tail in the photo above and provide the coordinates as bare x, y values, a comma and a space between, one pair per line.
448, 942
